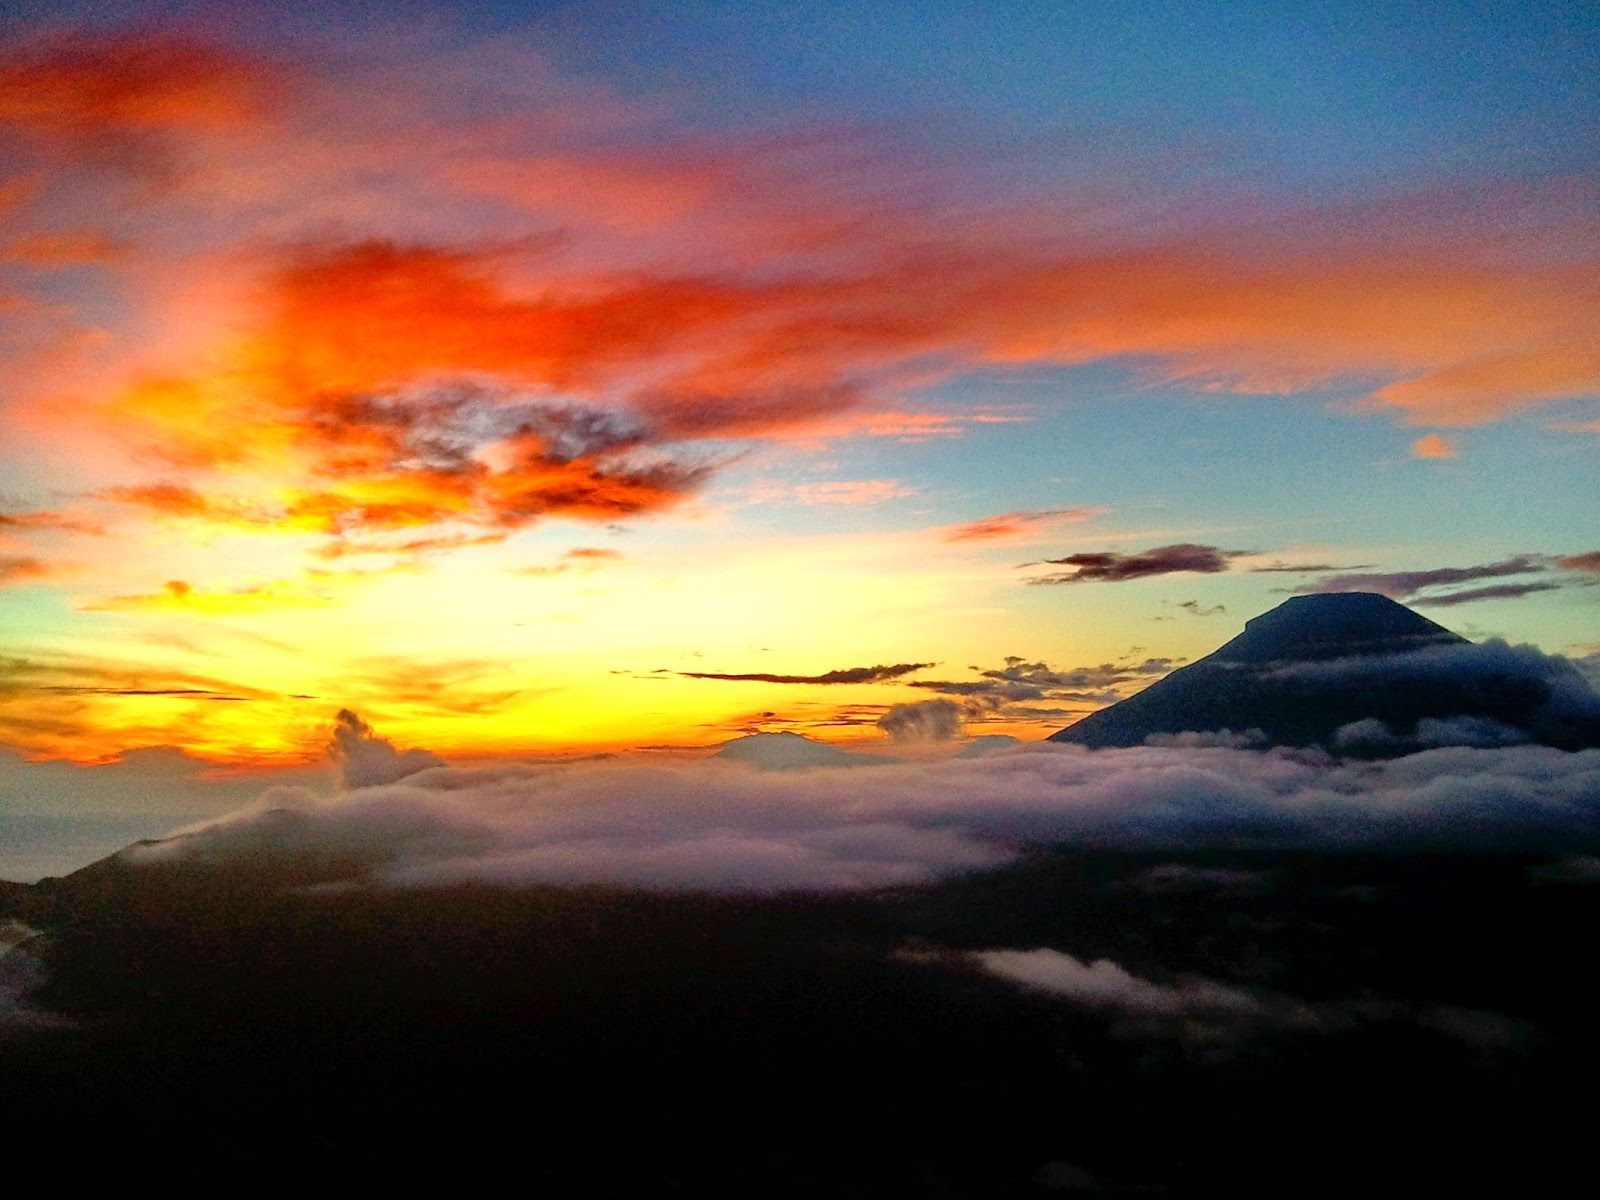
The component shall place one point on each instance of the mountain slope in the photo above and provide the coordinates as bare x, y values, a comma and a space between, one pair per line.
1327, 669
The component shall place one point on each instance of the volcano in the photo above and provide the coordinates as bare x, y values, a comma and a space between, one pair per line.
1361, 673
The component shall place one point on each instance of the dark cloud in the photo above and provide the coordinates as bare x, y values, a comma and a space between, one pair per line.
1195, 608
1498, 591
878, 674
1020, 680
923, 721
1404, 585
1110, 567
1589, 561
1307, 568
412, 457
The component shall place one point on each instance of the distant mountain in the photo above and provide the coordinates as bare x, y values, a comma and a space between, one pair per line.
1360, 673
990, 743
790, 752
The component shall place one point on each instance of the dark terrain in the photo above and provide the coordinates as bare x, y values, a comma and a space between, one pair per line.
592, 1042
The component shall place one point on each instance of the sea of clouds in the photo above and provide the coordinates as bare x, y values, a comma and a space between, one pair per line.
404, 818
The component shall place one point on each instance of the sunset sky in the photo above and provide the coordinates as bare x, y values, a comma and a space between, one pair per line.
539, 378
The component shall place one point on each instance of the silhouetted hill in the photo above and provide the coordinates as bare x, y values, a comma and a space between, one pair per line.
11, 895
1328, 669
791, 752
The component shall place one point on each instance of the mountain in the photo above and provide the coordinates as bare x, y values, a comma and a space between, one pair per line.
1361, 673
990, 743
791, 752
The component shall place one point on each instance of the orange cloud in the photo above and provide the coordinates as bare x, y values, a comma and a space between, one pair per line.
171, 499
89, 709
66, 249
1013, 525
500, 373
81, 87
358, 463
17, 569
1485, 389
30, 522
356, 384
1434, 446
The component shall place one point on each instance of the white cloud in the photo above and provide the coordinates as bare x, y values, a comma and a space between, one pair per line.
1194, 1007
364, 759
723, 826
1103, 984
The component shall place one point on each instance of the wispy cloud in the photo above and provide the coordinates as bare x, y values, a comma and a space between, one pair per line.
1112, 567
1499, 591
878, 674
113, 93
177, 595
16, 569
1401, 585
1416, 586
1434, 446
1014, 525
846, 492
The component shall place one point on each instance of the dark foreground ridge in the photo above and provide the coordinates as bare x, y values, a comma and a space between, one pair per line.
1252, 1009
1324, 669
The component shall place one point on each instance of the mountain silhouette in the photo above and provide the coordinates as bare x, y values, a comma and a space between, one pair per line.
791, 752
1361, 673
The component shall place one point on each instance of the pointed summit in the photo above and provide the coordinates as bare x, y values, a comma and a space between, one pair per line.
1360, 673
1333, 625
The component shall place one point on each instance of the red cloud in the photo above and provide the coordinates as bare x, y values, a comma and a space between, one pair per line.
81, 87
721, 289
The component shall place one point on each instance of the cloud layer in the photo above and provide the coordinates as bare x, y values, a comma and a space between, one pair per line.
722, 826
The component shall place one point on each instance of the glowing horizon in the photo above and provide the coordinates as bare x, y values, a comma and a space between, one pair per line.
523, 402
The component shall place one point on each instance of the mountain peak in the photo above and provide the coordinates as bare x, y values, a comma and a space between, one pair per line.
1327, 625
1316, 667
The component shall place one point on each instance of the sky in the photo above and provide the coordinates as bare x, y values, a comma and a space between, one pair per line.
575, 379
